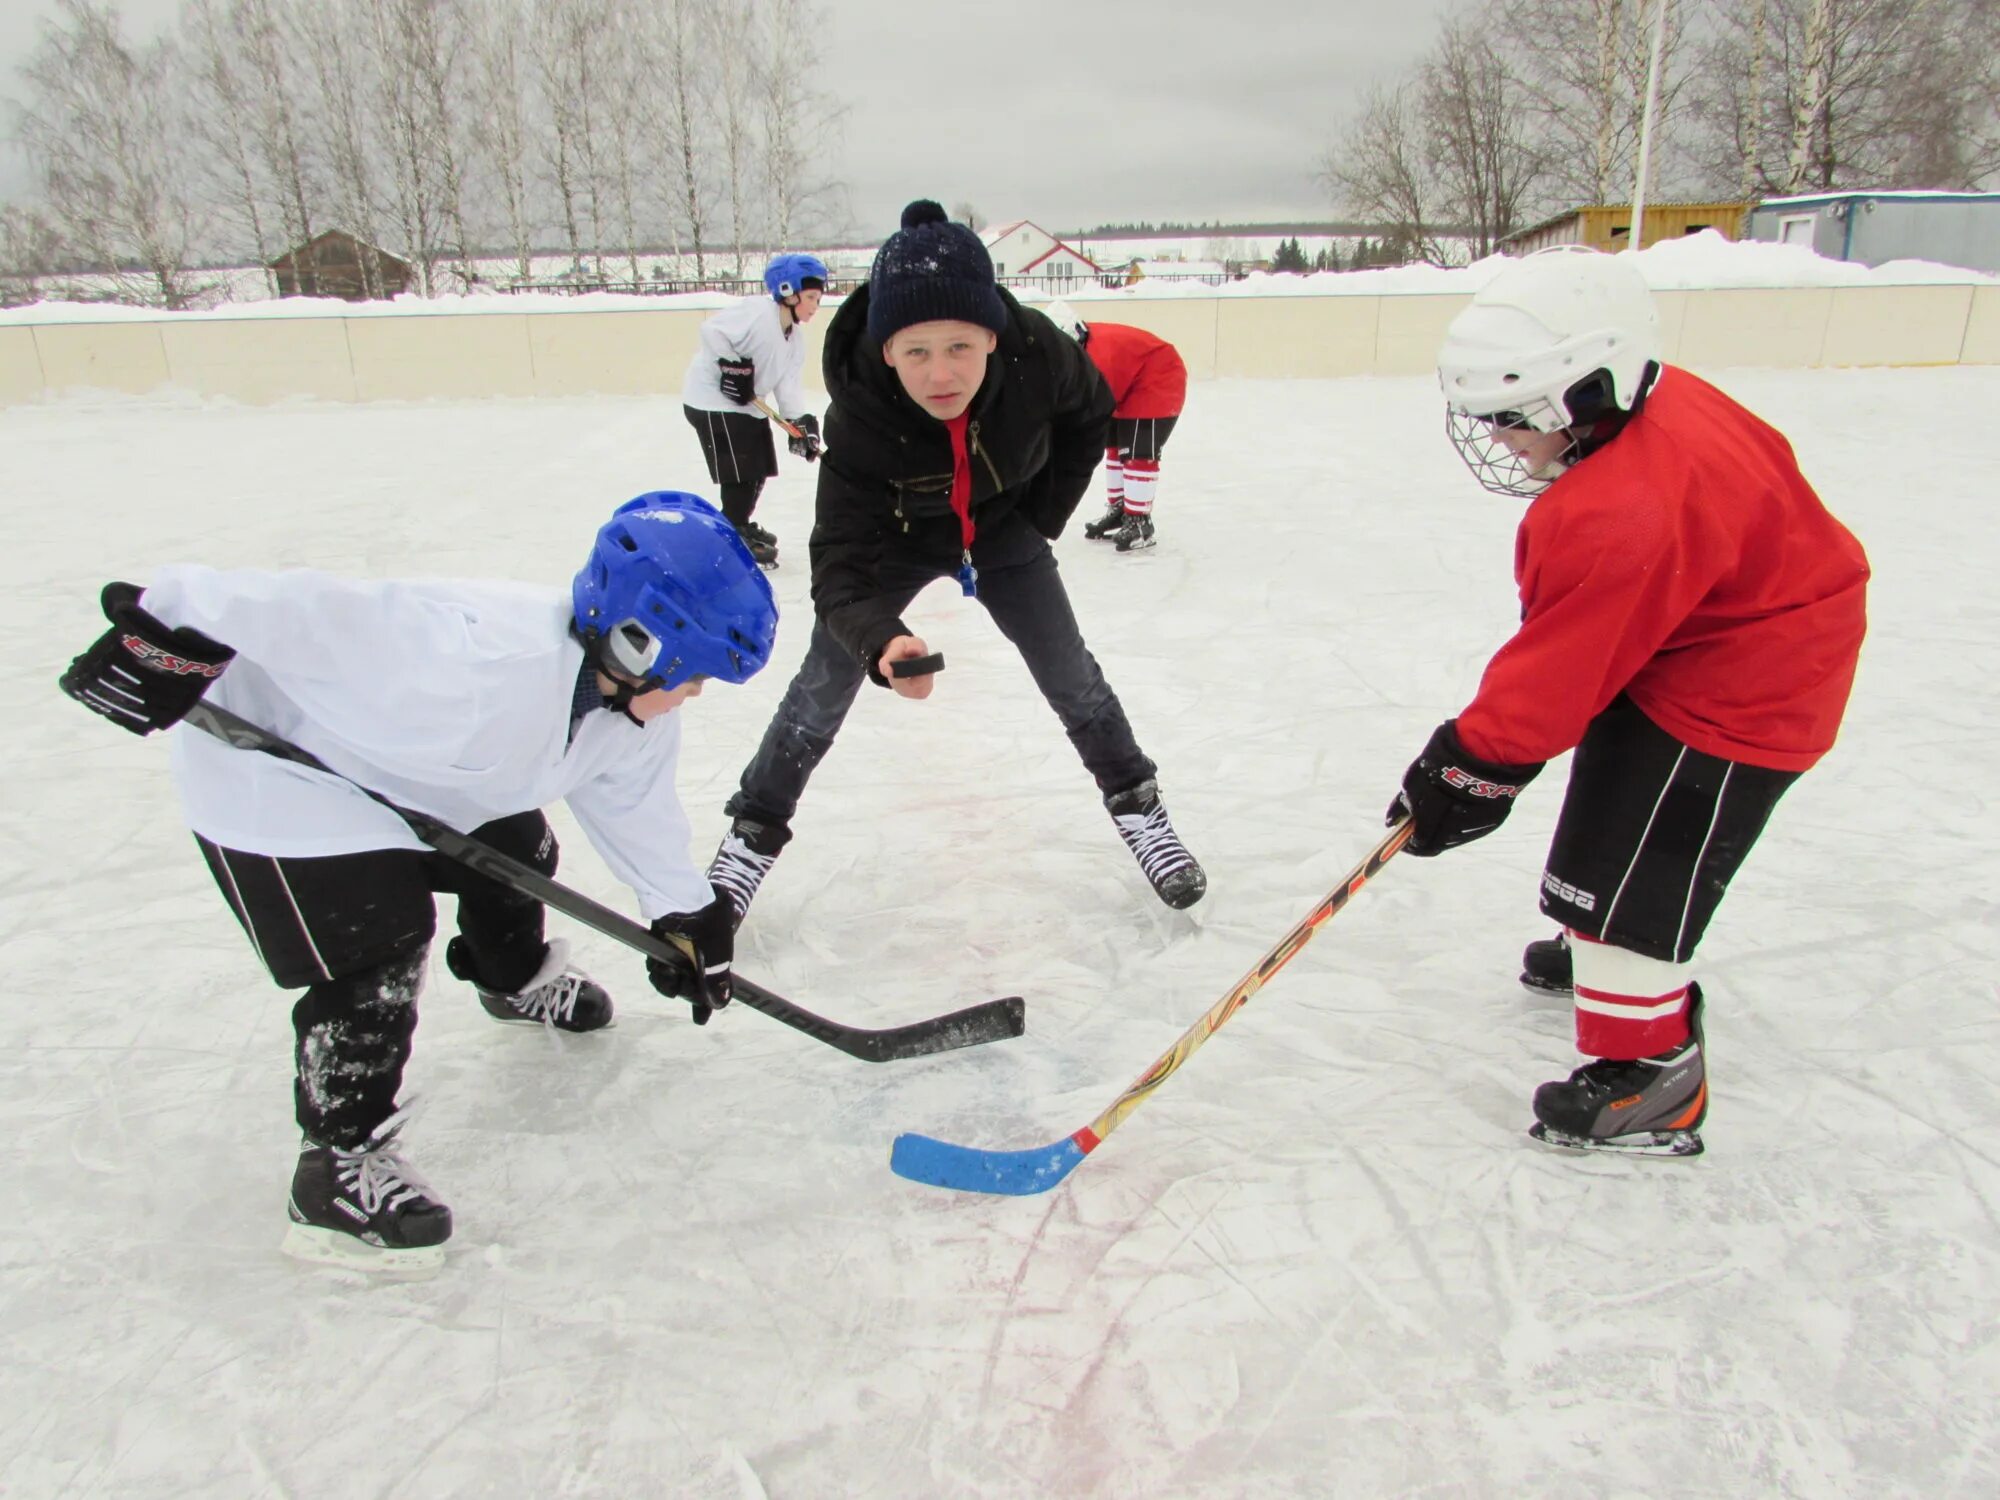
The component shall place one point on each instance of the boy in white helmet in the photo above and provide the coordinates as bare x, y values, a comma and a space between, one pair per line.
1690, 619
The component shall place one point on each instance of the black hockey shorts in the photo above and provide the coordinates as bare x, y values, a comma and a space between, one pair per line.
316, 920
1140, 437
1651, 834
737, 444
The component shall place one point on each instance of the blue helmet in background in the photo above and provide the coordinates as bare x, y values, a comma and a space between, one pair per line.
670, 592
788, 274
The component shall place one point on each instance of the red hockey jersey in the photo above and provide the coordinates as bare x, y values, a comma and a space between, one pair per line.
1689, 564
1144, 371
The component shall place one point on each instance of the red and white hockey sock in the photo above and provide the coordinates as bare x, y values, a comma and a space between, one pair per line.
1627, 1005
1142, 477
1114, 478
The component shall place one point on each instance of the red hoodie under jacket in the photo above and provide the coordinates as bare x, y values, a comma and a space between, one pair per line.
1689, 564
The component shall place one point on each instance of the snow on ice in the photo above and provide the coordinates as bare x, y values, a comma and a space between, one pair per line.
1324, 1260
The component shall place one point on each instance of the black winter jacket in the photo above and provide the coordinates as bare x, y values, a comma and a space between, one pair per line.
1039, 425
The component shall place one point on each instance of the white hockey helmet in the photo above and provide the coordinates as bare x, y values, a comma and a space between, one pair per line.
1557, 340
1064, 317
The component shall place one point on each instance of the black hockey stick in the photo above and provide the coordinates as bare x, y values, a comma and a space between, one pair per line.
989, 1021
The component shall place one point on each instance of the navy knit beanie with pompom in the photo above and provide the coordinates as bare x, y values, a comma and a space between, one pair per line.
932, 269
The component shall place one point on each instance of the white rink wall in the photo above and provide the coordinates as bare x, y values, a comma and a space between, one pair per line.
1722, 305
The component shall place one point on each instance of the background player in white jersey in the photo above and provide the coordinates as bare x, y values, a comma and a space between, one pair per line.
751, 351
477, 703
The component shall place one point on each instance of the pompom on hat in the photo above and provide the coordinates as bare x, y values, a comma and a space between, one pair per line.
931, 270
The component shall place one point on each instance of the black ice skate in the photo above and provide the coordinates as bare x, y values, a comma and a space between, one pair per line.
1143, 824
762, 544
559, 995
1653, 1106
745, 857
1105, 528
1545, 966
1136, 535
365, 1209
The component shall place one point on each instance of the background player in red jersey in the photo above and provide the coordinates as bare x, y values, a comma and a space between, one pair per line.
1149, 383
1690, 619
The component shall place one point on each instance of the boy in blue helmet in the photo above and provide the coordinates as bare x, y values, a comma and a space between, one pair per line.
477, 703
751, 351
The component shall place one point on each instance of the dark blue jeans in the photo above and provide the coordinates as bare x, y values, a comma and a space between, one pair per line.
1023, 592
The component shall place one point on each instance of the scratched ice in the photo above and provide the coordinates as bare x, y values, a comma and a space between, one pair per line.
1323, 1260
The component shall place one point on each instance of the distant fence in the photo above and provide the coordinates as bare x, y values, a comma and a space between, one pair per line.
658, 286
413, 355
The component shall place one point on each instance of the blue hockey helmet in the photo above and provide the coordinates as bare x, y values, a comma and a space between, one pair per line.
671, 592
788, 275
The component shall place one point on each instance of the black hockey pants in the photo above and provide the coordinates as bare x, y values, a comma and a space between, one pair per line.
354, 930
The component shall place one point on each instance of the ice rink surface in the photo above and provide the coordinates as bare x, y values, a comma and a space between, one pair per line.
1323, 1261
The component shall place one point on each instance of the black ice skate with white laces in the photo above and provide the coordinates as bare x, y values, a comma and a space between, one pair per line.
1107, 526
744, 858
1546, 967
1148, 832
1136, 535
1651, 1106
559, 995
366, 1209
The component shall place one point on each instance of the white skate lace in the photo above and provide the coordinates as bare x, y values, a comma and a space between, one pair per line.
1152, 840
377, 1175
551, 994
738, 870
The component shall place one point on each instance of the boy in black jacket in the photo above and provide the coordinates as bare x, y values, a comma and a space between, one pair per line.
962, 431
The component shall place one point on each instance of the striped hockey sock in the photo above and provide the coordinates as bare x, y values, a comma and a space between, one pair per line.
1142, 478
1627, 1005
1114, 478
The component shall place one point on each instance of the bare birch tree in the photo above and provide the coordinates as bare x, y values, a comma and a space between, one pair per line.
103, 135
1478, 128
1814, 95
1379, 170
1584, 64
219, 111
799, 120
680, 123
732, 31
340, 68
502, 95
275, 80
29, 252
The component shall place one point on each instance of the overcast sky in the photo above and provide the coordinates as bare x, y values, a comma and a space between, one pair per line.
1069, 112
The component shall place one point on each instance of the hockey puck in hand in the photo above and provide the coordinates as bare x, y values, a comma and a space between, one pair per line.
917, 666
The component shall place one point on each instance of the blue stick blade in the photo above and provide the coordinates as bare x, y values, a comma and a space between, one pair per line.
1016, 1173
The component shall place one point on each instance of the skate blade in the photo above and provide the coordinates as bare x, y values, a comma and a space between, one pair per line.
1643, 1143
1542, 987
332, 1247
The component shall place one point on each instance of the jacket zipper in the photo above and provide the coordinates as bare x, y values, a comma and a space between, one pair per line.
972, 436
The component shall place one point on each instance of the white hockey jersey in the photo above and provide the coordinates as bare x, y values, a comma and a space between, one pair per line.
452, 698
749, 326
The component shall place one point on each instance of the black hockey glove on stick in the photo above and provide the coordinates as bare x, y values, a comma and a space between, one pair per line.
1452, 797
739, 379
704, 942
139, 674
804, 439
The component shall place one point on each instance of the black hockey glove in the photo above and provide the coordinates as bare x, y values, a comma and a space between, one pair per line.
706, 942
805, 442
1453, 797
139, 674
739, 379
